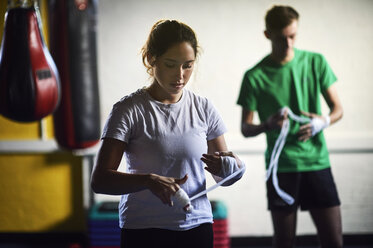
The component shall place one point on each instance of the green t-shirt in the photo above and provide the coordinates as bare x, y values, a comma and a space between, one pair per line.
267, 87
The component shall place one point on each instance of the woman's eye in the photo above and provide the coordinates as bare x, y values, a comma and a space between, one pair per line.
169, 65
187, 66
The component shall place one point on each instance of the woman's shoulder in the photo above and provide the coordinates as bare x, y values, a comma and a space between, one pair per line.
202, 103
131, 99
201, 100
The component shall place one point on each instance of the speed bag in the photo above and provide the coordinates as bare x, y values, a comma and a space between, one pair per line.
73, 47
29, 81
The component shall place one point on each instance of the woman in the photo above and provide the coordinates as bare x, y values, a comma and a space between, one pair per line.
165, 133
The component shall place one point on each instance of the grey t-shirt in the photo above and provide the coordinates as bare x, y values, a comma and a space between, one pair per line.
168, 140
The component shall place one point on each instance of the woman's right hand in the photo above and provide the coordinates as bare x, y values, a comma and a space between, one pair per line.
165, 187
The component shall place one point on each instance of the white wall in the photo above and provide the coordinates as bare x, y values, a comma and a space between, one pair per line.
231, 36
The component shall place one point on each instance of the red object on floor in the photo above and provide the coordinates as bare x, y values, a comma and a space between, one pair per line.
221, 235
104, 247
75, 245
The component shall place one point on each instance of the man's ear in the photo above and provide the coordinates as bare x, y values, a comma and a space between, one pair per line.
267, 34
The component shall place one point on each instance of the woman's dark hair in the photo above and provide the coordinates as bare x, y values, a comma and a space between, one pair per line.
163, 35
278, 17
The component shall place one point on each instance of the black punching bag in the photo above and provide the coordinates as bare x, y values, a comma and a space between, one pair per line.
29, 81
73, 47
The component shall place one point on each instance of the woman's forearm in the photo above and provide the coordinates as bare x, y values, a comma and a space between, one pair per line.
118, 183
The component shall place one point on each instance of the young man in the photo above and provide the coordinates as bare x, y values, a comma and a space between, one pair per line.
296, 79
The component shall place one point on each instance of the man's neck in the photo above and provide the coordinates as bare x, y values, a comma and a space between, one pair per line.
282, 59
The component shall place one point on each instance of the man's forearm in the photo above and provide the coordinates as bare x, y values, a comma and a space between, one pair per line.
250, 130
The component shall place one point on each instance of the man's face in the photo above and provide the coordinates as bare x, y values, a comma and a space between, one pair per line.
283, 40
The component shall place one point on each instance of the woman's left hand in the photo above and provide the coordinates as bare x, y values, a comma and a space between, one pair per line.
213, 161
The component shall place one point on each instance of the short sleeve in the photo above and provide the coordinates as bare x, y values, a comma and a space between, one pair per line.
216, 126
327, 76
118, 125
246, 97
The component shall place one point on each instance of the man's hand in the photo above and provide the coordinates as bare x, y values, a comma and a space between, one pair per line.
276, 120
317, 124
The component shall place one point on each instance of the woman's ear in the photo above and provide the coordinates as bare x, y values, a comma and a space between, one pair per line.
151, 60
267, 34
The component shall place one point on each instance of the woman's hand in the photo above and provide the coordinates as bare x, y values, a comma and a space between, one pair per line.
214, 163
165, 187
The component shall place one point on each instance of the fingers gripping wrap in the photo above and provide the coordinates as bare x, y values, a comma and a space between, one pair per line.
231, 173
181, 200
319, 124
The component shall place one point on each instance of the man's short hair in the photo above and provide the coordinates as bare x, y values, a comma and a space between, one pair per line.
279, 17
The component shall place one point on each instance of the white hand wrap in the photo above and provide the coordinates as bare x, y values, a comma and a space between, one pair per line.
318, 124
181, 200
229, 166
230, 174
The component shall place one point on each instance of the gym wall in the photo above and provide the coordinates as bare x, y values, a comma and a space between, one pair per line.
232, 40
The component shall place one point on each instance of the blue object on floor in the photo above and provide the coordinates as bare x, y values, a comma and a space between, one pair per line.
103, 225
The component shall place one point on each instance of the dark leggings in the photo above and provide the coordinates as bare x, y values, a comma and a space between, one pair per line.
199, 237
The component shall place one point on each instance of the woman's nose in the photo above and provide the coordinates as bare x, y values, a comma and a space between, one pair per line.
179, 72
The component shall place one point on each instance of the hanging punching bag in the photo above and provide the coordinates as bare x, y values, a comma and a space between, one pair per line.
73, 47
29, 81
